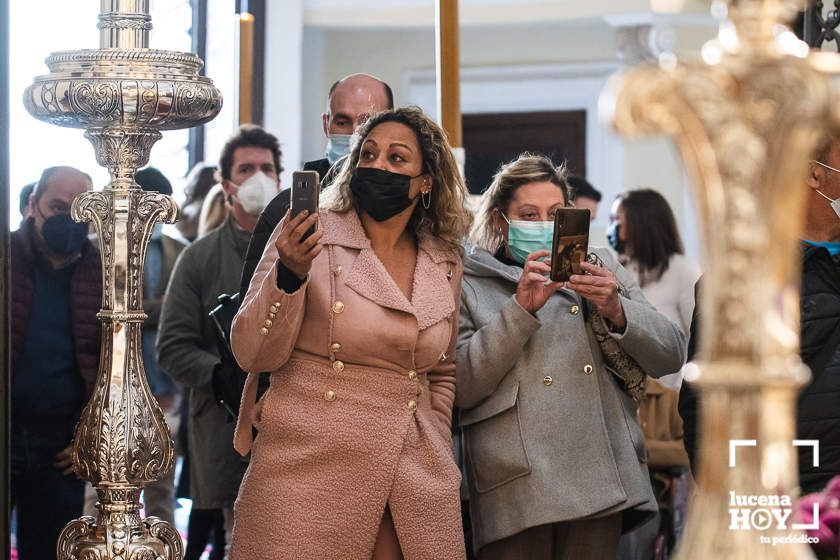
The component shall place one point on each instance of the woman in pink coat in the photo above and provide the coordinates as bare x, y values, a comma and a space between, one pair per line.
357, 324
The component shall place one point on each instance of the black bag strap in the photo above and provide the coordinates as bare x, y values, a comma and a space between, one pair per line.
819, 364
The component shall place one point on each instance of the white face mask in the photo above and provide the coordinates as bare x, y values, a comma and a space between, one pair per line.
256, 192
835, 202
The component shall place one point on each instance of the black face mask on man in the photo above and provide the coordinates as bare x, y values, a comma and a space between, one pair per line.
63, 235
382, 194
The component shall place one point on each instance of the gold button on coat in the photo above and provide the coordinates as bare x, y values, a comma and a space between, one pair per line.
587, 369
574, 310
264, 331
329, 395
338, 307
272, 315
273, 308
335, 347
338, 366
412, 375
268, 323
412, 405
547, 380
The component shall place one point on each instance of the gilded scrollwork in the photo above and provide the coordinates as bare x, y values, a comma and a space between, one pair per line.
112, 444
745, 123
168, 535
73, 532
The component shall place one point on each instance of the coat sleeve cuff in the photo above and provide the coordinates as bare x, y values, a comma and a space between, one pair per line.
629, 320
287, 280
521, 315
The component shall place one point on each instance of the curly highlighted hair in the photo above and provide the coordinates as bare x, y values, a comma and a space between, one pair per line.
447, 217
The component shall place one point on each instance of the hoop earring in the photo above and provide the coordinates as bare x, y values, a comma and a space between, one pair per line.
426, 199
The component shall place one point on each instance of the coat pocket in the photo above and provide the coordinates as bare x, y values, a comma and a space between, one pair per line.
493, 434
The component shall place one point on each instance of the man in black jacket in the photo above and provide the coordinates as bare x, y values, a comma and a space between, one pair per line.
351, 101
818, 414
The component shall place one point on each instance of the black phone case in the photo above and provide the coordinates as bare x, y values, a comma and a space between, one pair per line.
570, 244
306, 187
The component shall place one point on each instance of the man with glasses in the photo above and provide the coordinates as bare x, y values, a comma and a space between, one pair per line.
56, 294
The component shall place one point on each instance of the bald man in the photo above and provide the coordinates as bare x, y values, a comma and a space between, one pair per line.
56, 294
350, 102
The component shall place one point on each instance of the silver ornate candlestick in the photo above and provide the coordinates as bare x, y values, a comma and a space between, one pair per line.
123, 94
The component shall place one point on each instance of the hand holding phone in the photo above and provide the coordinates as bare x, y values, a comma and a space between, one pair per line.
532, 291
298, 242
570, 243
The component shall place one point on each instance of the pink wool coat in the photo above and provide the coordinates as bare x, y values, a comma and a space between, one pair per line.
358, 413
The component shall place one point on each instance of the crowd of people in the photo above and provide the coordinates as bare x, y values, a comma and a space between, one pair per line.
417, 387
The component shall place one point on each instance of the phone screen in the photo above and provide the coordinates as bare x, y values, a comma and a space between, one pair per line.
571, 242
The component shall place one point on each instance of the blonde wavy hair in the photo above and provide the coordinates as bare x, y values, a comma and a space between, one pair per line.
526, 169
447, 217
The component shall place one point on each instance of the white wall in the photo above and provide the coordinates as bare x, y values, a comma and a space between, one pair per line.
405, 58
285, 74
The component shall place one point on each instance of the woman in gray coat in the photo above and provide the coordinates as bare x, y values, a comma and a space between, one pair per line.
555, 458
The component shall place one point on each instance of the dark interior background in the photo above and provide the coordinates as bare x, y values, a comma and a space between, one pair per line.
491, 139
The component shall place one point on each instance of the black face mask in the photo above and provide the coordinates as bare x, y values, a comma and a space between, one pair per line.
613, 239
63, 235
382, 194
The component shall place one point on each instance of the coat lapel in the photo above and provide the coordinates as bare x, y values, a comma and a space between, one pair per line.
432, 298
369, 279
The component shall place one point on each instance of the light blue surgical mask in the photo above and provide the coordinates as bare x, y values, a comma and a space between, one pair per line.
338, 146
526, 237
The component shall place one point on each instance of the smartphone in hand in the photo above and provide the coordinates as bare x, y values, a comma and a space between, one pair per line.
306, 188
570, 244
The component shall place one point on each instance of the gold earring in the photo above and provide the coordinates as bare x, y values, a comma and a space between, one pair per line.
426, 199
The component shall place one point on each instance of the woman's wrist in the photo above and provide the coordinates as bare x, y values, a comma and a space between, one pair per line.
616, 320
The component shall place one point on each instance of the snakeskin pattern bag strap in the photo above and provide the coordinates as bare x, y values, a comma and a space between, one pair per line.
631, 376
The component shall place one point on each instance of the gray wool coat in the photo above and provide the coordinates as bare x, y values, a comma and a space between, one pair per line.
188, 352
549, 434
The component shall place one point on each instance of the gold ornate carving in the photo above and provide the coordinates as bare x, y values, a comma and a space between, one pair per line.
746, 123
124, 97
